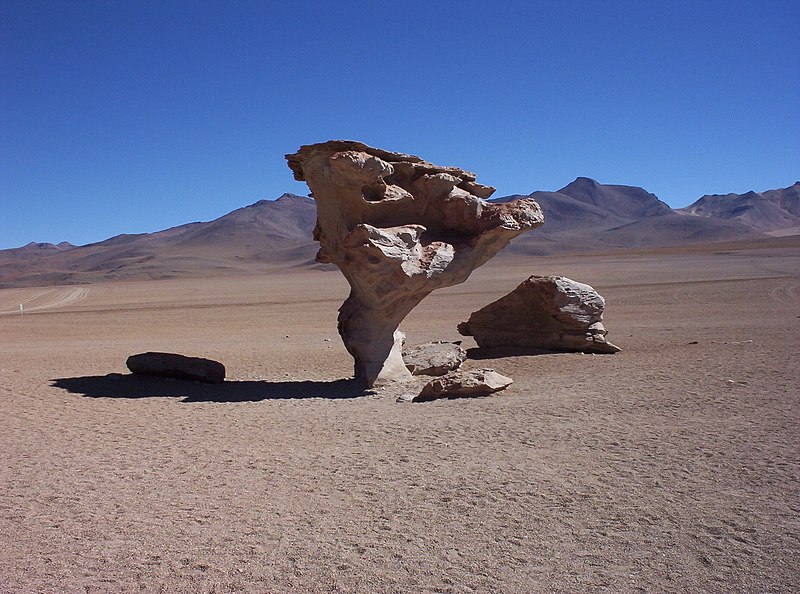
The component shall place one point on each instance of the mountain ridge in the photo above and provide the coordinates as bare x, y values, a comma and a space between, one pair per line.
584, 216
266, 235
769, 211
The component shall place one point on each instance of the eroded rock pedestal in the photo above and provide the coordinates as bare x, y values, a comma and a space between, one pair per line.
544, 312
398, 228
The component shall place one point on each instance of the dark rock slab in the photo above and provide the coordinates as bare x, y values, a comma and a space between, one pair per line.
177, 366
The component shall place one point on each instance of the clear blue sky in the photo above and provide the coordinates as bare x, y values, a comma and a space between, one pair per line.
120, 116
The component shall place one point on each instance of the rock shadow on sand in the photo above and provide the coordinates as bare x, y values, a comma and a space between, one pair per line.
482, 354
141, 386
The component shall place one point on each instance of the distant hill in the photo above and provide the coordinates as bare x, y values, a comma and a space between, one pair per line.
587, 216
583, 217
774, 211
260, 237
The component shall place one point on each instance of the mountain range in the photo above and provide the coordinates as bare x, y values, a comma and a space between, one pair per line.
582, 217
267, 235
776, 212
587, 216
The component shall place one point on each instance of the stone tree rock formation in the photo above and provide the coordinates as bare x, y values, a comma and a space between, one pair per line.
544, 312
398, 228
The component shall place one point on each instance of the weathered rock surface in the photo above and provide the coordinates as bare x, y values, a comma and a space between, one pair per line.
434, 358
177, 366
398, 228
476, 382
543, 312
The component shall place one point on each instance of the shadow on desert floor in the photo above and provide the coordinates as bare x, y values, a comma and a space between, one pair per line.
482, 354
140, 386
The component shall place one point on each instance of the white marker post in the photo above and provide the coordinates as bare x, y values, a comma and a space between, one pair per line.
21, 310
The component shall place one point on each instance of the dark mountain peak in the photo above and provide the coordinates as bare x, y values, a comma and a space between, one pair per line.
289, 197
587, 184
288, 219
628, 202
730, 196
34, 245
581, 182
283, 199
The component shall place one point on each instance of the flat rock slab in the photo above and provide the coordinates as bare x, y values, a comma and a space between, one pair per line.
434, 358
177, 366
461, 384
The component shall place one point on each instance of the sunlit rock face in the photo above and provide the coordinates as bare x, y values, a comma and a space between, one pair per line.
544, 312
398, 227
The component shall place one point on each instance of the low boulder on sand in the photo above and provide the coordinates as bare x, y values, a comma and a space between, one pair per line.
434, 358
177, 366
544, 312
460, 384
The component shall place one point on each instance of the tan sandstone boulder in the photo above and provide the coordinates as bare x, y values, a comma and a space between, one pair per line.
544, 312
398, 228
464, 384
434, 358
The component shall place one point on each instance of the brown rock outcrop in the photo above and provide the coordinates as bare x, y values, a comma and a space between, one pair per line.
398, 228
544, 312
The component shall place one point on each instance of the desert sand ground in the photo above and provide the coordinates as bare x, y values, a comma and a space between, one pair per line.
672, 466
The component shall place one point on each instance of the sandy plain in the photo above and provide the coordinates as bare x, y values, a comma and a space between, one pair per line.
672, 466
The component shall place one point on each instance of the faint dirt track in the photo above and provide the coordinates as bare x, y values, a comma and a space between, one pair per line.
40, 300
785, 293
